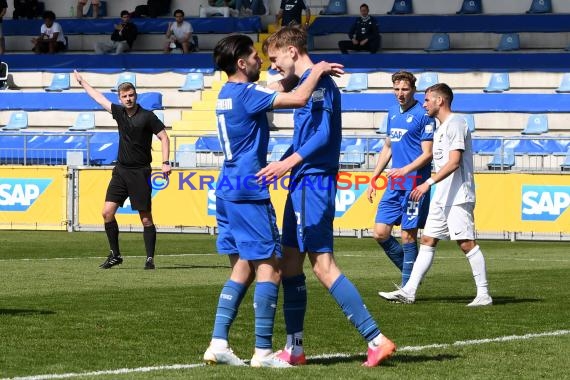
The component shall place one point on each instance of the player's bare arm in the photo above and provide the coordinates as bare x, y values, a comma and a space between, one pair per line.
94, 94
451, 165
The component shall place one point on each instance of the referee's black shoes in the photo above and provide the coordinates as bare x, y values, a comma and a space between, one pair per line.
111, 261
149, 264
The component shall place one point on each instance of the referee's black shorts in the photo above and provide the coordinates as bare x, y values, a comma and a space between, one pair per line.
132, 183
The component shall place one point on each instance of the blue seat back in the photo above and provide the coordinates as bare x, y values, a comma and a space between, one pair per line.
357, 82
277, 152
160, 115
353, 155
498, 82
59, 82
383, 128
540, 6
439, 42
564, 83
470, 121
84, 122
509, 42
193, 82
426, 80
566, 162
502, 158
125, 77
335, 7
536, 125
401, 7
471, 7
18, 120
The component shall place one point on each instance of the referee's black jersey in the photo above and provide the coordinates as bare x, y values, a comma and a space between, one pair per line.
292, 10
135, 135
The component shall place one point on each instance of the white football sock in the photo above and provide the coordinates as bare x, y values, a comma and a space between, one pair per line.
477, 262
421, 266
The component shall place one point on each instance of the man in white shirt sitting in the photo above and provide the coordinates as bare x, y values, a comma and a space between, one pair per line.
51, 39
179, 34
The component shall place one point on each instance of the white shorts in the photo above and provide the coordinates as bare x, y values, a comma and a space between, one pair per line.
451, 222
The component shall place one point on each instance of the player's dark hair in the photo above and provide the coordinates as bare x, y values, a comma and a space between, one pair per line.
442, 89
125, 13
289, 36
406, 76
48, 15
178, 11
229, 50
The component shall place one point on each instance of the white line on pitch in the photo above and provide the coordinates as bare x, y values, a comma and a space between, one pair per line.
458, 343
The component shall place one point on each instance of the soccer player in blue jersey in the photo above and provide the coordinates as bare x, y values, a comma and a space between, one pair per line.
409, 146
310, 207
248, 232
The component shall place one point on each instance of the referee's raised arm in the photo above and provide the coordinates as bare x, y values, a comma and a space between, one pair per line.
96, 95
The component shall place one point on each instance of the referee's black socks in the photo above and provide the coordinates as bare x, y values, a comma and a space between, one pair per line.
112, 230
149, 235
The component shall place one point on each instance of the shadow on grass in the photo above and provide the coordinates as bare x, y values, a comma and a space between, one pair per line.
397, 358
25, 312
497, 300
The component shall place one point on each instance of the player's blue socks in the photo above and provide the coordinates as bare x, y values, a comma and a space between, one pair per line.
348, 298
230, 298
410, 254
294, 302
265, 305
394, 251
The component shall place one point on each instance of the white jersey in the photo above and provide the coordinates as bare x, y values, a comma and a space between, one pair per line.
55, 28
459, 186
180, 31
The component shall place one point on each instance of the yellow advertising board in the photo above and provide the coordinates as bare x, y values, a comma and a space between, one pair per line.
33, 197
505, 202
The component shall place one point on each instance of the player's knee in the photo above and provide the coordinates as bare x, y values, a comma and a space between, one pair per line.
380, 236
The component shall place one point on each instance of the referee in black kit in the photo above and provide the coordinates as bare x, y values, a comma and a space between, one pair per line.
131, 174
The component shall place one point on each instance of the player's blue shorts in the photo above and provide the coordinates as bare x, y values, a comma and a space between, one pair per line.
396, 208
247, 228
309, 214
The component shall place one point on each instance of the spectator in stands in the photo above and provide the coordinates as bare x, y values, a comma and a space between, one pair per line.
122, 38
3, 8
25, 8
451, 209
290, 13
252, 7
51, 39
131, 175
153, 8
363, 34
81, 4
179, 34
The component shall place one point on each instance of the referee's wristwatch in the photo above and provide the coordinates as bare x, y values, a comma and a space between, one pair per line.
166, 162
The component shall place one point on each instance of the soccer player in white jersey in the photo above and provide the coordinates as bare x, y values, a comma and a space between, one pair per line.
453, 200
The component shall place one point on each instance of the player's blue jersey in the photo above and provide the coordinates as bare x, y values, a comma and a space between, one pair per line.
243, 132
406, 131
318, 131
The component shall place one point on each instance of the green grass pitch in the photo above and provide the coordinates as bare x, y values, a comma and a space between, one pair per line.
60, 314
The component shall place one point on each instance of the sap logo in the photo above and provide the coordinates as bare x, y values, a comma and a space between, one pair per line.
346, 198
18, 194
126, 208
544, 202
396, 134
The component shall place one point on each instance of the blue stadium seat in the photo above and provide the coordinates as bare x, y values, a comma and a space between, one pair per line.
499, 82
564, 84
471, 7
277, 152
84, 122
439, 42
565, 166
59, 82
504, 161
18, 120
335, 7
426, 80
160, 115
401, 7
357, 82
383, 128
186, 155
540, 6
470, 120
536, 125
193, 82
102, 10
125, 77
509, 42
353, 156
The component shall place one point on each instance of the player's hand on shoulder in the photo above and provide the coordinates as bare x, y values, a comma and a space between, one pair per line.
334, 69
